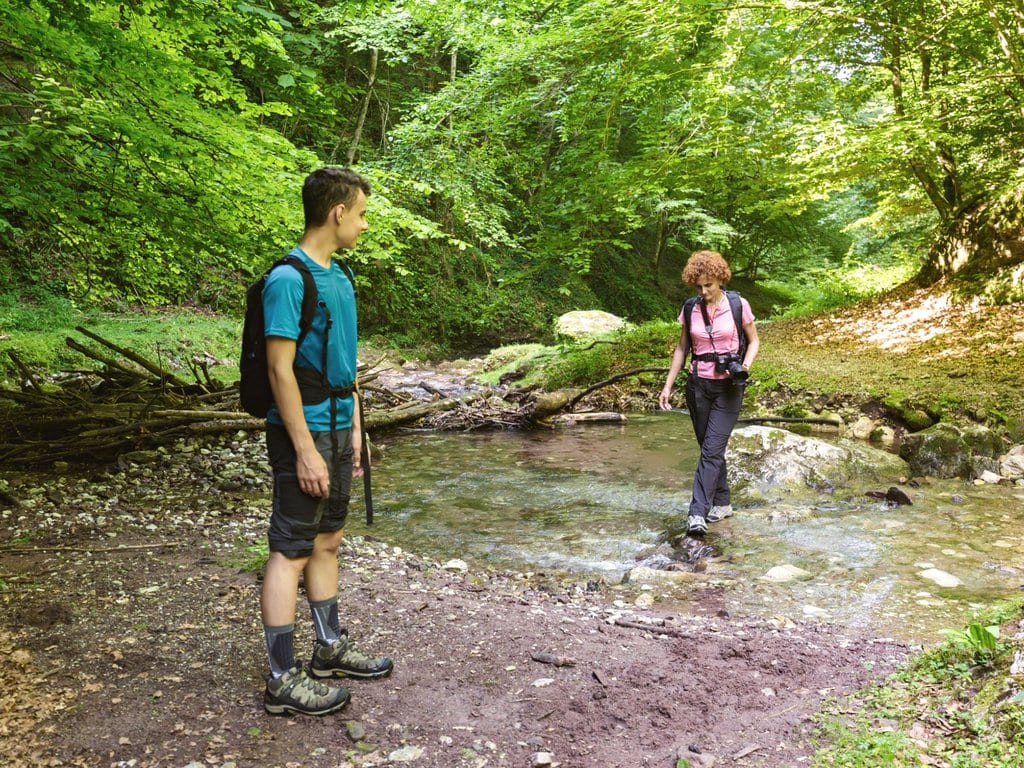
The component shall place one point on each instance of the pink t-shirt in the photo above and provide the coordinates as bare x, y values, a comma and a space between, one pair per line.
724, 334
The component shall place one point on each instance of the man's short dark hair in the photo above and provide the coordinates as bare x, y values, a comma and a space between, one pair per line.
327, 187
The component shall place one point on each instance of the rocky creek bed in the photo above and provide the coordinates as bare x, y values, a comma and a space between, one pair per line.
130, 636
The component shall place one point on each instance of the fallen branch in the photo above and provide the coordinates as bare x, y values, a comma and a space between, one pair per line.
553, 659
106, 550
656, 628
26, 374
156, 370
612, 380
790, 420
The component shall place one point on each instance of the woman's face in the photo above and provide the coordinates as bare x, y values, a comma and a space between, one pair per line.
710, 290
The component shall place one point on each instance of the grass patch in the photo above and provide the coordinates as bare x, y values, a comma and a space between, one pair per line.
954, 705
582, 364
36, 331
247, 557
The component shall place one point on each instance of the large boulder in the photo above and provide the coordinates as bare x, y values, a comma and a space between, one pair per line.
582, 324
766, 457
946, 450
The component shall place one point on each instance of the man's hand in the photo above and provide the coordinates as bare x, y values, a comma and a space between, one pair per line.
312, 474
357, 453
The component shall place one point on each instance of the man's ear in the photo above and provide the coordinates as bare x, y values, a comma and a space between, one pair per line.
339, 212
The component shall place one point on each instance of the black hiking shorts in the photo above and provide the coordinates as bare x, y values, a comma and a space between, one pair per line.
296, 517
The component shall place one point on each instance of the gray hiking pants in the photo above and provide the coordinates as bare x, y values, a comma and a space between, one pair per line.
714, 406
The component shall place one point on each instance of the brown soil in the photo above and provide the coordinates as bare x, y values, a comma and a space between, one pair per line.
129, 636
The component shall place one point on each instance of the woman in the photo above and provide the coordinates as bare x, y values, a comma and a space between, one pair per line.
714, 385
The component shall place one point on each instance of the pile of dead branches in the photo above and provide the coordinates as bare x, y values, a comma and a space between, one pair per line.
494, 410
130, 403
127, 403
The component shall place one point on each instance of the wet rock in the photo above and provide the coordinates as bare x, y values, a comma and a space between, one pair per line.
946, 450
862, 428
940, 577
983, 465
767, 457
1011, 464
781, 574
915, 418
883, 435
898, 497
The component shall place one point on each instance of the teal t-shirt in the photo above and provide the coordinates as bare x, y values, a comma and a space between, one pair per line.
282, 310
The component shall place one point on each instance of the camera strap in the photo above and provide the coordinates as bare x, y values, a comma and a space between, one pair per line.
708, 326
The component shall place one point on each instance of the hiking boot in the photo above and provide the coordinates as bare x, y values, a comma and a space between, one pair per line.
719, 513
696, 525
342, 659
296, 693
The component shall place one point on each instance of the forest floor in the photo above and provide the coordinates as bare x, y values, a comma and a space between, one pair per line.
130, 636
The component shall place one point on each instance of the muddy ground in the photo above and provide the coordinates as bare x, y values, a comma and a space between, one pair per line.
130, 636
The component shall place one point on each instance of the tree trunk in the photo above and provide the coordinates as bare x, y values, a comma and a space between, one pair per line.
357, 135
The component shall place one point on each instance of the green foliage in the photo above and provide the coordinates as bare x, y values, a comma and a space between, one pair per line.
248, 557
174, 337
980, 641
864, 745
525, 160
794, 409
819, 290
523, 358
584, 363
964, 681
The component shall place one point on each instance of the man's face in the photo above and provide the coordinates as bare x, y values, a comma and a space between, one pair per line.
350, 221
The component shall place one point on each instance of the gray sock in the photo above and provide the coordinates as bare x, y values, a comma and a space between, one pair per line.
325, 619
280, 648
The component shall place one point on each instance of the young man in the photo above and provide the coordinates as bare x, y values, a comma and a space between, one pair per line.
314, 442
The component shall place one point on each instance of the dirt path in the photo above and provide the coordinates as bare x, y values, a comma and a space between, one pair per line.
129, 637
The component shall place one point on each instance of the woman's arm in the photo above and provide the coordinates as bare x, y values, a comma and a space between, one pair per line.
753, 345
678, 356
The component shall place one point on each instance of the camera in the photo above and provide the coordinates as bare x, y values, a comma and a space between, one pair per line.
731, 364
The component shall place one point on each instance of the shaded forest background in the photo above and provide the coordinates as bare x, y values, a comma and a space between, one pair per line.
527, 159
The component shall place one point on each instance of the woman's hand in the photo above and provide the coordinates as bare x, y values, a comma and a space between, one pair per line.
663, 397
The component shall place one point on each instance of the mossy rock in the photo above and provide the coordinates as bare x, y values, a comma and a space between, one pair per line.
916, 419
945, 450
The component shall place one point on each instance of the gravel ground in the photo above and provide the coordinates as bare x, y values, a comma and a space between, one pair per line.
130, 636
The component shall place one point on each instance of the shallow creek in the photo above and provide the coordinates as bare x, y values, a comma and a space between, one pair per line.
591, 501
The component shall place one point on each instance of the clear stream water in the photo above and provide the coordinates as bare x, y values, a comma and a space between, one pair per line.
590, 501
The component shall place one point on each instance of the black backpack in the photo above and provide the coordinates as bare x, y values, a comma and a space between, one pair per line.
737, 315
254, 385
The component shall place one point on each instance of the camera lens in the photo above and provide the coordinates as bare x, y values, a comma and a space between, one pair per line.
738, 372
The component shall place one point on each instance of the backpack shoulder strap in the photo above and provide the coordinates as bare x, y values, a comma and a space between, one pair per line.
687, 311
737, 315
688, 306
310, 295
348, 273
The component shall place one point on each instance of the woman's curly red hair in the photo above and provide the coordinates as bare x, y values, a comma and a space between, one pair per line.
707, 265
